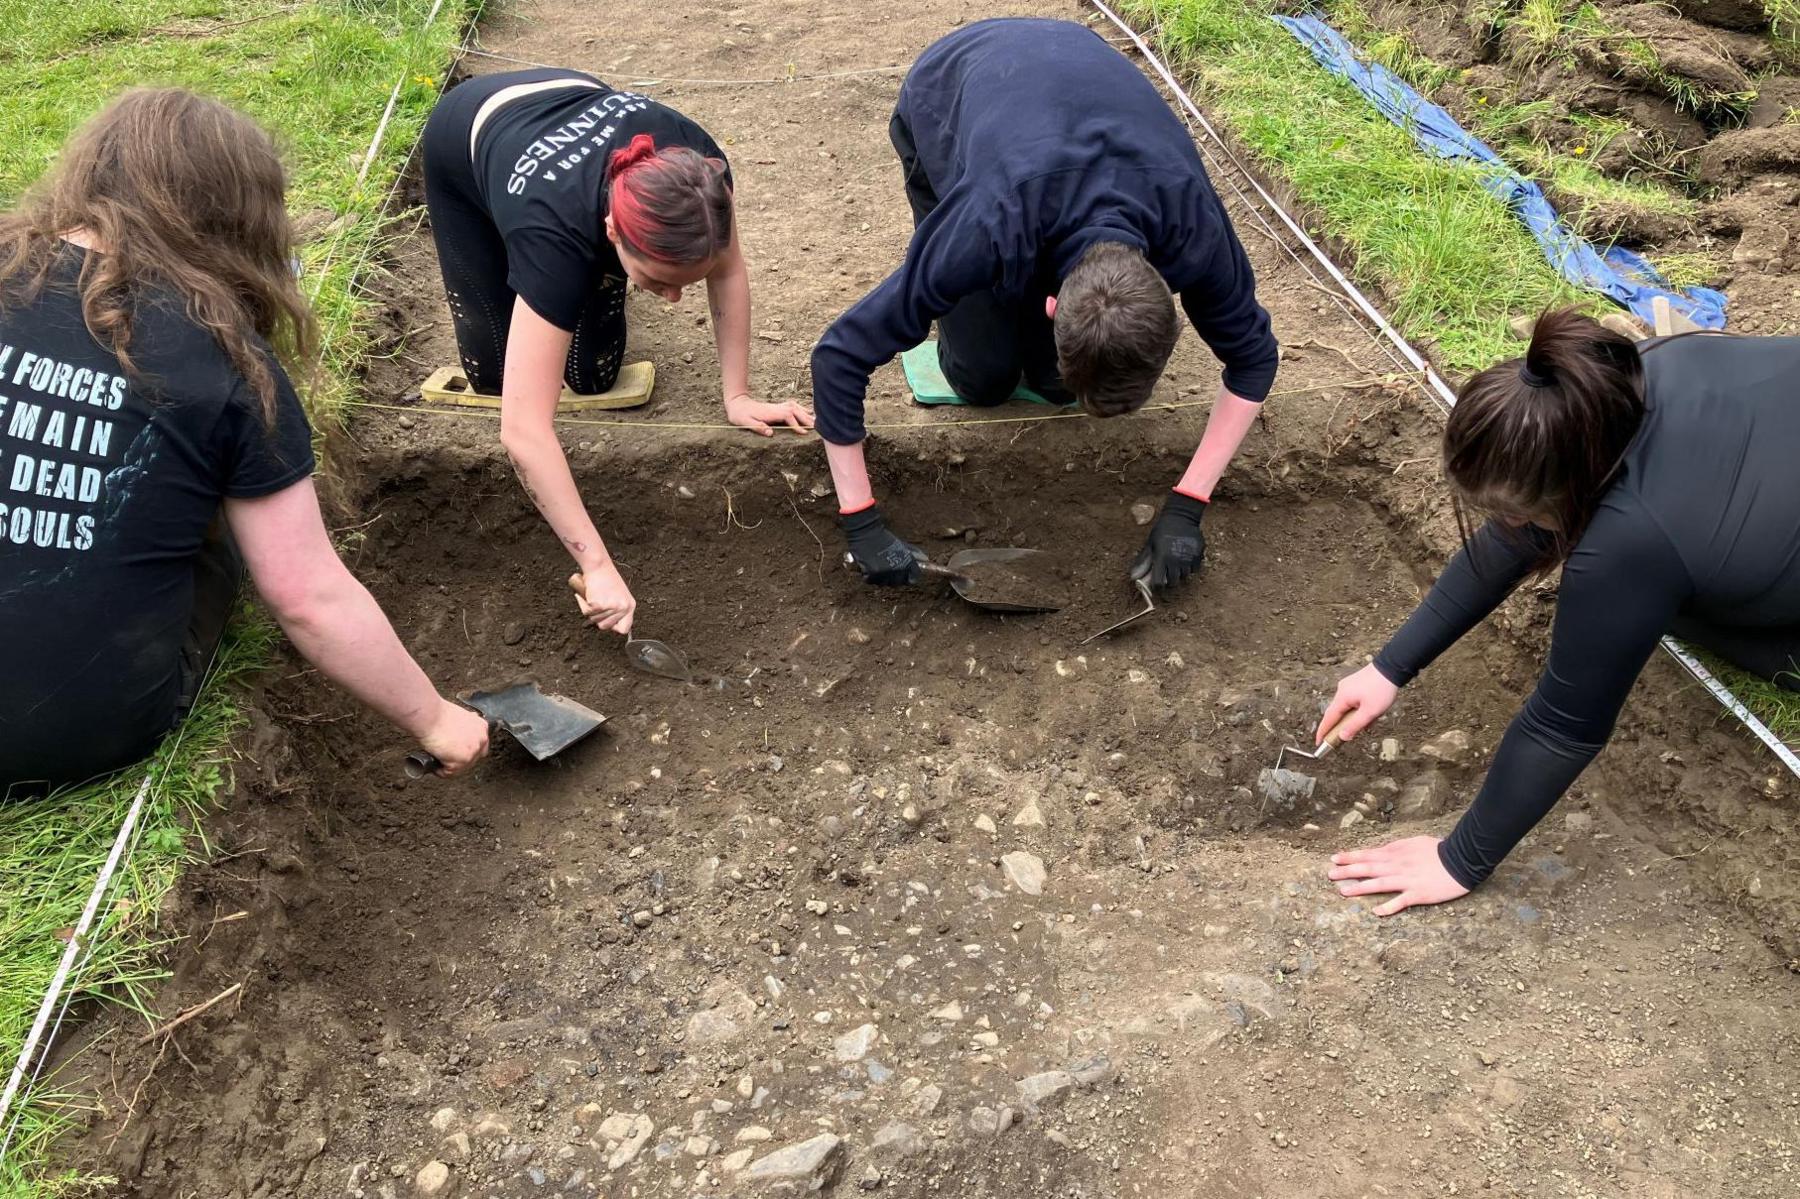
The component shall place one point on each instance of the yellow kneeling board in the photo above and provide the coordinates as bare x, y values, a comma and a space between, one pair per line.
448, 385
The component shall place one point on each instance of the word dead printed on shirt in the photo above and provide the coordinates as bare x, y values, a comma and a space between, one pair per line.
56, 438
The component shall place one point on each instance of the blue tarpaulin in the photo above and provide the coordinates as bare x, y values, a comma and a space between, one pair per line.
1615, 272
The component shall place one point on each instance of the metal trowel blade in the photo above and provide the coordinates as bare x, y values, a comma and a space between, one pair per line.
544, 724
653, 657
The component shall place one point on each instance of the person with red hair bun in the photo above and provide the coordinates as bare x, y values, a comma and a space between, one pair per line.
548, 192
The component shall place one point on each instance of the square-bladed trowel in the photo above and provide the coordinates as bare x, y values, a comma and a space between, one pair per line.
544, 724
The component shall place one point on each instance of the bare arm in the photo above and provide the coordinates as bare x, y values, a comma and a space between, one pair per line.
728, 298
850, 476
337, 625
1226, 429
535, 353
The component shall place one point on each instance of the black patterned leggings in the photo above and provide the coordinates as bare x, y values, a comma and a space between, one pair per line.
472, 257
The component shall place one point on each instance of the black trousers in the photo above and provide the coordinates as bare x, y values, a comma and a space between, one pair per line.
472, 257
1769, 654
987, 342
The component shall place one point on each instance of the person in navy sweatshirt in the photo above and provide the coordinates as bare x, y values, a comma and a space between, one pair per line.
1057, 202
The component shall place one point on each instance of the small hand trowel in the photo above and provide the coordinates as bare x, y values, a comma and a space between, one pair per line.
544, 724
645, 654
999, 580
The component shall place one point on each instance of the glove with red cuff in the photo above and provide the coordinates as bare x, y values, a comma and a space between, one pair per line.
884, 559
1175, 547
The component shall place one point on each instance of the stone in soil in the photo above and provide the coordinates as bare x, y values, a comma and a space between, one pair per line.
898, 1139
1047, 1089
1025, 871
854, 1045
728, 1009
810, 1166
1451, 748
1029, 816
433, 1179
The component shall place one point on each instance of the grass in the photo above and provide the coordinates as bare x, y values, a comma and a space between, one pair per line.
318, 74
1455, 263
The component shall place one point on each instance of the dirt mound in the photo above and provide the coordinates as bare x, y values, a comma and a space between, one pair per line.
1748, 16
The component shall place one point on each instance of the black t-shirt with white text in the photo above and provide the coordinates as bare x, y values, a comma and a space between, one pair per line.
108, 484
540, 167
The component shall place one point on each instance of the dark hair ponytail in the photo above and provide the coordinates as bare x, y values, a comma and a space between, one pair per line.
1539, 439
672, 205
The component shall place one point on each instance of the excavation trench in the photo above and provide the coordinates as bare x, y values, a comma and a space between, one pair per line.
733, 877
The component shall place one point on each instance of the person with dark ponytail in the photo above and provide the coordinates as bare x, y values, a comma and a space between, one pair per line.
549, 191
1660, 476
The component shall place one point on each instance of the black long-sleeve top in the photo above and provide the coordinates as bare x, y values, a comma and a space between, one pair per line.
1039, 140
1703, 521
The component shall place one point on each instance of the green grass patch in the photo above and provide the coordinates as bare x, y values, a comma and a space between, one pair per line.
1581, 179
1455, 263
318, 75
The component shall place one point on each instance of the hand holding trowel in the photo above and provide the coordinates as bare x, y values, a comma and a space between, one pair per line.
651, 657
544, 724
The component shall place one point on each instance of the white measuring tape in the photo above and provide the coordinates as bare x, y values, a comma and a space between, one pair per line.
1443, 394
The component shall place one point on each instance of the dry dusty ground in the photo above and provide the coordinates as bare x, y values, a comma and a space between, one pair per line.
778, 921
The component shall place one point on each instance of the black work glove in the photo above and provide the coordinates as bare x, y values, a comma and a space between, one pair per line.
1175, 547
884, 559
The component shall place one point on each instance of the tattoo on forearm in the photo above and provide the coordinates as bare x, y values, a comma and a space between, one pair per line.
525, 482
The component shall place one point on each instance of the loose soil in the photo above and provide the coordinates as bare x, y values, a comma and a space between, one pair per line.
898, 855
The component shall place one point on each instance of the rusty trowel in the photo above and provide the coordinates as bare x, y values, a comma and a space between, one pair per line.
544, 724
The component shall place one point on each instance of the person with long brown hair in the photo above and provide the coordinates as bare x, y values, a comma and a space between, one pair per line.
148, 318
549, 191
1661, 478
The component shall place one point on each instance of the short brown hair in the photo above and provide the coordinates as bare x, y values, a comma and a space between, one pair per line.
181, 193
1115, 329
1539, 439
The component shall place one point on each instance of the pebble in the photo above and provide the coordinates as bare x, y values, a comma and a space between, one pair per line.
753, 1134
493, 1125
911, 814
406, 422
699, 1146
926, 1101
685, 492
1390, 750
871, 1179
642, 919
731, 1163
456, 1148
1142, 513
951, 1011
633, 1144
1029, 816
1452, 747
898, 1139
821, 1017
814, 1163
856, 637
985, 823
855, 1045
1351, 819
1025, 871
817, 907
1046, 1089
513, 633
433, 1178
444, 1119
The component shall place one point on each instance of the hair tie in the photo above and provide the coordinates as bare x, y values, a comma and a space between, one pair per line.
1531, 378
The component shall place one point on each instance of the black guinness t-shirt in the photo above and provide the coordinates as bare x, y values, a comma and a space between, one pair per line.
540, 166
108, 483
